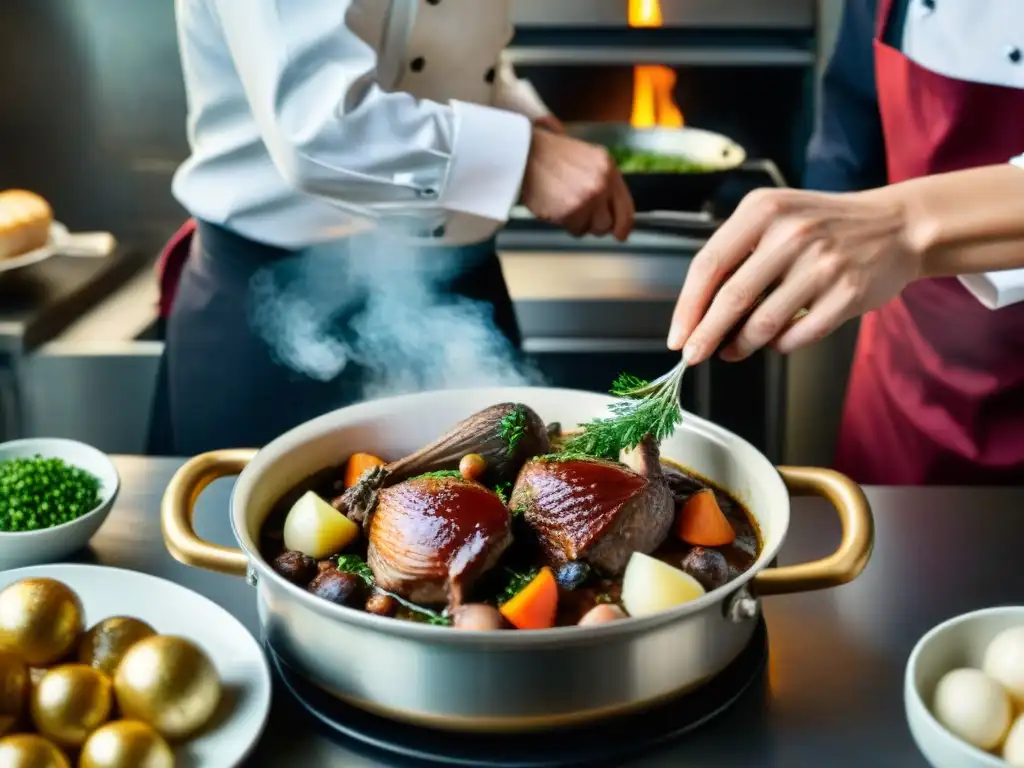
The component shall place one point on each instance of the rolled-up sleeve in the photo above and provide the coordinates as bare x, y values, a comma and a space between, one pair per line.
332, 131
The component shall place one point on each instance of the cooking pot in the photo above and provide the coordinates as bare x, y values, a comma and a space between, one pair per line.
504, 680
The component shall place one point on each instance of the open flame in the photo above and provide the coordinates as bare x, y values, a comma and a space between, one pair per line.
652, 83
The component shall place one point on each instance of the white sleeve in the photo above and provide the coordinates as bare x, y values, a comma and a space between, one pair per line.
333, 132
516, 95
1018, 161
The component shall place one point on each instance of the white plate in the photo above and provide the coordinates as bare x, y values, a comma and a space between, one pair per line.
58, 232
86, 244
174, 610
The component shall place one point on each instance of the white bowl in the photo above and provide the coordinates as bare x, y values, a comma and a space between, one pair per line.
50, 544
959, 642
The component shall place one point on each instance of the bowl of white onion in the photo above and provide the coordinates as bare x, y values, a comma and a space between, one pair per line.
964, 690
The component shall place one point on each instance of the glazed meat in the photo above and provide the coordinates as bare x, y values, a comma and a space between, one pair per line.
432, 536
504, 435
595, 510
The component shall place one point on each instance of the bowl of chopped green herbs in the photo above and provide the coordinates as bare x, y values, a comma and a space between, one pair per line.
54, 496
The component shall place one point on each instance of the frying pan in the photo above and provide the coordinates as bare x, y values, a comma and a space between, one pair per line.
686, 191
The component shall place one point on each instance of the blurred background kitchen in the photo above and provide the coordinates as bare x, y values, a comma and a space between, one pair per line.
93, 119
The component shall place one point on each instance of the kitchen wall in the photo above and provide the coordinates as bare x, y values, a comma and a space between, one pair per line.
92, 111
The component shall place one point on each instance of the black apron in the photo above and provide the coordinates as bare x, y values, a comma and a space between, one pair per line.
222, 385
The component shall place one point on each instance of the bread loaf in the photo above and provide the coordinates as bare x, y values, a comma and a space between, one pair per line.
25, 220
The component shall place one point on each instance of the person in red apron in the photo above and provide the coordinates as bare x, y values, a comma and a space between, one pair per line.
936, 394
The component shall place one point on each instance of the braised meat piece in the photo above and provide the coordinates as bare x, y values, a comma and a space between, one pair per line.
503, 435
432, 536
595, 510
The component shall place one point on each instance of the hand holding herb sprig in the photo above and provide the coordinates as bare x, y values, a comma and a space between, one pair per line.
645, 408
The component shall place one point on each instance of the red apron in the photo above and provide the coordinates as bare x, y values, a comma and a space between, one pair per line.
171, 263
936, 395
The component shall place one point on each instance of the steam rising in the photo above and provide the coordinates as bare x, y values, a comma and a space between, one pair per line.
381, 305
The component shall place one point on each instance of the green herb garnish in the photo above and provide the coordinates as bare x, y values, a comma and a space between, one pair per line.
423, 615
512, 427
603, 598
355, 565
441, 473
566, 456
631, 160
37, 493
515, 584
644, 408
504, 491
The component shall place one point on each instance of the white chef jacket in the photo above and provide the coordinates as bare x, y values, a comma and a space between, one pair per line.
979, 41
311, 120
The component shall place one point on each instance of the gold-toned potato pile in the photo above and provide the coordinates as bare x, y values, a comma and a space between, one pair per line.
114, 696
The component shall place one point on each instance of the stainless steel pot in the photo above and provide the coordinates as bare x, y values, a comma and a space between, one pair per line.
504, 680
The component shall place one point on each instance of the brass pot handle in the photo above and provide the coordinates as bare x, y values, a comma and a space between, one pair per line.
854, 551
178, 508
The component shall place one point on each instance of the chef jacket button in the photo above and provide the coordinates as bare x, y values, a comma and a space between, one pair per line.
417, 64
433, 2
428, 192
929, 4
491, 73
438, 231
1014, 54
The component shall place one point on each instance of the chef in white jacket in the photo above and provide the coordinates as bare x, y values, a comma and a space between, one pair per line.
312, 121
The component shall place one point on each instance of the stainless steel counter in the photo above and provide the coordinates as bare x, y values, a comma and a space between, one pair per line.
834, 684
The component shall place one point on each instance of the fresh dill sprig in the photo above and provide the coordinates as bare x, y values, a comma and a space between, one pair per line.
644, 408
512, 427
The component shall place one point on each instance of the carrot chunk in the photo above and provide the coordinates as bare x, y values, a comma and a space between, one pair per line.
536, 605
702, 523
358, 463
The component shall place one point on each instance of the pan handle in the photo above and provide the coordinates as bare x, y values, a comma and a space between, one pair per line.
854, 551
179, 507
763, 167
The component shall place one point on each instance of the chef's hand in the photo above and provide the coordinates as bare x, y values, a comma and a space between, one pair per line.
836, 255
576, 185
